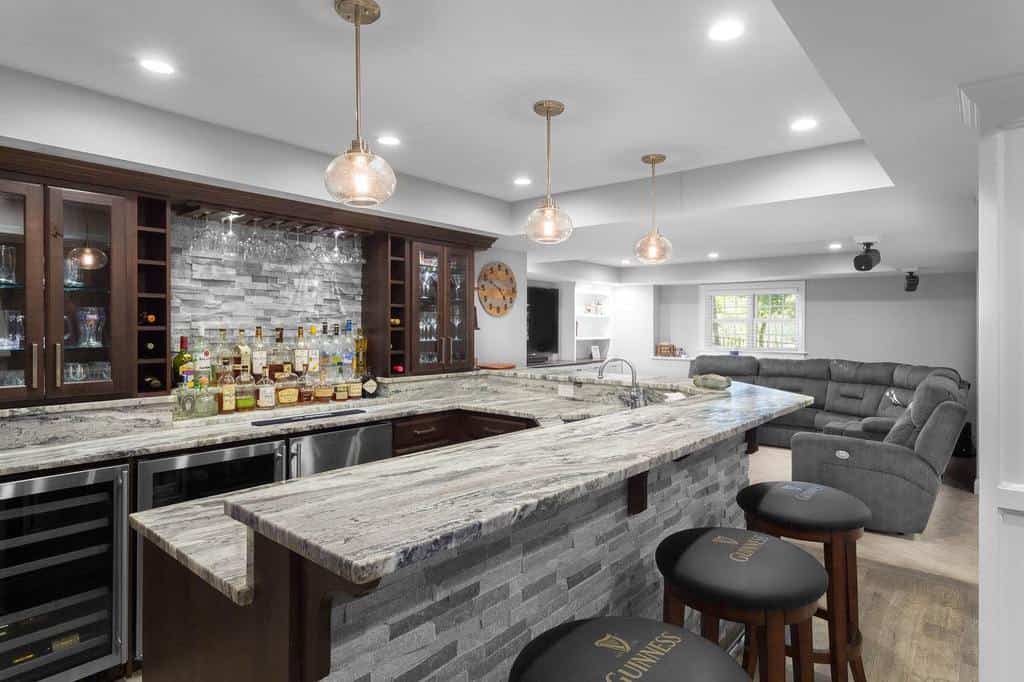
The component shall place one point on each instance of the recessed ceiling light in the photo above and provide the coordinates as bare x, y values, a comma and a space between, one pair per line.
725, 30
835, 246
522, 181
625, 261
803, 124
158, 66
713, 255
389, 140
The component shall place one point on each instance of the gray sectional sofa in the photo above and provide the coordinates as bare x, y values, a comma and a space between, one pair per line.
881, 431
859, 399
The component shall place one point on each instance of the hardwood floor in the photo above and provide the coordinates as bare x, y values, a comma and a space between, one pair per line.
919, 595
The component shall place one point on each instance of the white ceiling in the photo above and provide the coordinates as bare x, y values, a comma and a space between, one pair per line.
455, 79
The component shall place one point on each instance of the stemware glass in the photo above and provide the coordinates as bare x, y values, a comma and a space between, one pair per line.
228, 246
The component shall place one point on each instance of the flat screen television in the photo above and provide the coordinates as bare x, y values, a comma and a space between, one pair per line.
541, 323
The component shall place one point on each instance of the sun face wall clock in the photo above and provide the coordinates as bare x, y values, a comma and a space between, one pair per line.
496, 288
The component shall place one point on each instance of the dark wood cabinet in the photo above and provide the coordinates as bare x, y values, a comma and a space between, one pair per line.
418, 311
64, 328
485, 425
414, 434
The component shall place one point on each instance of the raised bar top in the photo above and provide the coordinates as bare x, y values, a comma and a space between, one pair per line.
365, 522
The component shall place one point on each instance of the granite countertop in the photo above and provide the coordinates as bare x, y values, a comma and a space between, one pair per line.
365, 522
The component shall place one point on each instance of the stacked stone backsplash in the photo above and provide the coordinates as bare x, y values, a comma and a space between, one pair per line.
234, 293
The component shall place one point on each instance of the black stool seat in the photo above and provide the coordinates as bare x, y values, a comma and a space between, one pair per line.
739, 567
804, 505
615, 648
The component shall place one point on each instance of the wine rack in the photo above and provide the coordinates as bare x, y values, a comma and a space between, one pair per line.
151, 283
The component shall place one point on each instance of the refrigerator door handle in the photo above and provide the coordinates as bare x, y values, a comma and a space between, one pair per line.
295, 459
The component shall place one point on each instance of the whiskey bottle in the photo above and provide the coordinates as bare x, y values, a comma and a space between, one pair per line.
300, 354
259, 355
266, 393
280, 356
307, 387
226, 403
324, 390
286, 388
241, 356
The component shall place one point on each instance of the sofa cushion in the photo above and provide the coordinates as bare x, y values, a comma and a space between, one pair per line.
850, 372
909, 376
809, 377
859, 399
894, 402
878, 425
824, 418
903, 432
804, 417
738, 367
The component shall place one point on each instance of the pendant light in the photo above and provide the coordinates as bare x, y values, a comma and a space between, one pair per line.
88, 257
653, 247
359, 178
548, 224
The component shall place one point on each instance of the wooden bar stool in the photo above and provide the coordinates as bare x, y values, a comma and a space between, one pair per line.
616, 649
817, 513
750, 578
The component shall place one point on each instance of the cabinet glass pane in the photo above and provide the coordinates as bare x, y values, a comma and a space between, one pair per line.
13, 352
427, 332
458, 310
57, 590
87, 280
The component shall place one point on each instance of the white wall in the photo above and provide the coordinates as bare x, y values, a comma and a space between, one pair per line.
46, 115
503, 339
633, 329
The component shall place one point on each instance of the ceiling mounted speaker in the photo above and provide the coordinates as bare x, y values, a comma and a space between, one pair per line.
868, 258
912, 281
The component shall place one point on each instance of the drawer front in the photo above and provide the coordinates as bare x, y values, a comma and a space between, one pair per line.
485, 426
413, 432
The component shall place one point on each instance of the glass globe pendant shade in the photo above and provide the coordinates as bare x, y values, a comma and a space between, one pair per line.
88, 258
653, 248
359, 178
548, 224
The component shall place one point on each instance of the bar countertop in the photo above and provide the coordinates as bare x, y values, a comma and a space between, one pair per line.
365, 522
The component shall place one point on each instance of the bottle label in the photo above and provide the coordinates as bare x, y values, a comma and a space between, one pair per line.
300, 358
227, 399
266, 397
187, 378
313, 365
323, 392
370, 387
355, 390
287, 396
341, 392
259, 362
204, 362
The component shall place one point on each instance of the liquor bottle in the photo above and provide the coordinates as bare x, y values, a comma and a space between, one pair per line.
266, 393
147, 318
241, 356
286, 388
182, 362
348, 351
313, 352
202, 358
369, 384
359, 366
206, 401
245, 392
280, 356
307, 387
336, 353
222, 354
324, 390
152, 382
259, 355
300, 353
226, 399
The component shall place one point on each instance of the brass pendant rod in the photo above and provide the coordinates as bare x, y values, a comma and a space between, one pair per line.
548, 117
359, 79
654, 202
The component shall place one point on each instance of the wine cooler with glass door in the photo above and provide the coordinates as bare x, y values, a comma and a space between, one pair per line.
63, 564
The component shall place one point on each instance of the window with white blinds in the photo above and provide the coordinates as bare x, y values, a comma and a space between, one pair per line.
758, 318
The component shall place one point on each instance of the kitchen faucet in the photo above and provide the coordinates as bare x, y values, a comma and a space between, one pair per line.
636, 394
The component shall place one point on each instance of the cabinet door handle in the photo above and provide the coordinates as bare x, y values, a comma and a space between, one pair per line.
58, 370
295, 465
423, 432
35, 365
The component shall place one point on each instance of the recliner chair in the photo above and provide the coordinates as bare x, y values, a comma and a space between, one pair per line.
897, 478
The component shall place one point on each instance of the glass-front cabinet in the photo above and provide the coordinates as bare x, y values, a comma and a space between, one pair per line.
21, 291
458, 311
442, 313
63, 322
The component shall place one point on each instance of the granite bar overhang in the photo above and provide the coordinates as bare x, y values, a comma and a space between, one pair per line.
366, 522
